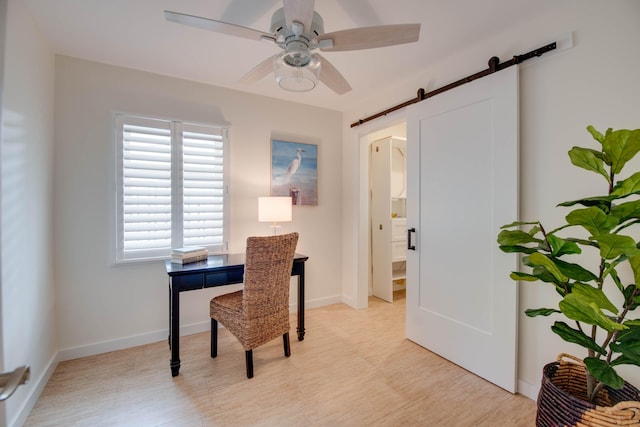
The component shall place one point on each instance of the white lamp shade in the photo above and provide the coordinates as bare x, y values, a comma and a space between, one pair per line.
274, 209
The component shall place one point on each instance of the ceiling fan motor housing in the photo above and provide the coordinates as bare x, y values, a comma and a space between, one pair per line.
283, 34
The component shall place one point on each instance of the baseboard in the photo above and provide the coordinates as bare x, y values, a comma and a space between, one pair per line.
128, 342
35, 392
151, 337
320, 302
528, 390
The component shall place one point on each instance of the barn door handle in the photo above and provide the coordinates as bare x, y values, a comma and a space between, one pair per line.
409, 245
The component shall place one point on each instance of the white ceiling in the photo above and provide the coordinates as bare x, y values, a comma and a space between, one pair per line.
134, 34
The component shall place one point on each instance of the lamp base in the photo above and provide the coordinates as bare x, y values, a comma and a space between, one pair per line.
275, 228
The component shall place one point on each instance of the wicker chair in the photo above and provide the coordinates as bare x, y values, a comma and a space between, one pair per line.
260, 312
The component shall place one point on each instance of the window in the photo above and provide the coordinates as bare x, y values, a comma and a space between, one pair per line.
171, 187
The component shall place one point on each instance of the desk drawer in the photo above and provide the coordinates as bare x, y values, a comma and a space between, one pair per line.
189, 282
220, 278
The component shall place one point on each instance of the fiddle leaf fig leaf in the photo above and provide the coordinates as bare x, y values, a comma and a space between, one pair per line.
596, 135
610, 267
560, 247
628, 349
519, 223
543, 261
621, 146
599, 201
587, 159
626, 211
631, 335
583, 309
614, 245
515, 237
592, 294
629, 186
543, 274
517, 249
634, 261
616, 279
624, 360
576, 337
594, 220
523, 276
628, 345
575, 271
533, 312
534, 230
603, 372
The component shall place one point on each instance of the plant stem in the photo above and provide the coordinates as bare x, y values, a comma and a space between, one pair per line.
544, 235
593, 386
596, 389
611, 178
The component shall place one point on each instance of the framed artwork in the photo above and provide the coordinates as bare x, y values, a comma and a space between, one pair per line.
294, 171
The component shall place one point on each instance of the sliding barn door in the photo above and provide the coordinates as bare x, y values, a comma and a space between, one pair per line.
462, 152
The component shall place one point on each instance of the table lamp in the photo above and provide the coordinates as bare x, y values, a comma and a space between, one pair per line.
274, 210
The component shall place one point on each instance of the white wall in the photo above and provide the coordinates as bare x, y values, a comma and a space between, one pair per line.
101, 306
28, 319
594, 83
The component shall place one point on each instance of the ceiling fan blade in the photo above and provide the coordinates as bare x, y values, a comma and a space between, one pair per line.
217, 26
330, 76
259, 71
300, 11
370, 37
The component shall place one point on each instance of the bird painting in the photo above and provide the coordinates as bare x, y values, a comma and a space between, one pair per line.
294, 171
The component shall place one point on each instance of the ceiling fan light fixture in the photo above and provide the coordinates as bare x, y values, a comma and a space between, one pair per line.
297, 71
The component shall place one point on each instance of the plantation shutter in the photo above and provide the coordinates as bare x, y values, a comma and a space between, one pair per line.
146, 188
202, 186
161, 162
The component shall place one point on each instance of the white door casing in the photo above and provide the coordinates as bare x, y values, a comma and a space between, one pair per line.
462, 159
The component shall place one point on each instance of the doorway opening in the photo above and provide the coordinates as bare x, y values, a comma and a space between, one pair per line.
385, 210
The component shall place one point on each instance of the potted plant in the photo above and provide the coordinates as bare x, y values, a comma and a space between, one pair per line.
593, 263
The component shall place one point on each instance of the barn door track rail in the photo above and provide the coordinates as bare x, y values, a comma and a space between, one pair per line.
494, 65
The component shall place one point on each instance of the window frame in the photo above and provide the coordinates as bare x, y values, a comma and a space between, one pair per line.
176, 129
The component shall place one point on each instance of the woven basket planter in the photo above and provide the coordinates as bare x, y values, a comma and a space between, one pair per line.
562, 399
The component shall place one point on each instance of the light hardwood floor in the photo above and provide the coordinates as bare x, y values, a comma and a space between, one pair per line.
354, 368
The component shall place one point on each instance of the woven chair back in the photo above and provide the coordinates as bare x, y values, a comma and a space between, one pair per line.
267, 274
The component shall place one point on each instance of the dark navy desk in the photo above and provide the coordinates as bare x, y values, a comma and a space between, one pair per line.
217, 270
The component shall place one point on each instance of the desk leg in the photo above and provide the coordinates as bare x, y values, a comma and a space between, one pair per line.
300, 329
174, 327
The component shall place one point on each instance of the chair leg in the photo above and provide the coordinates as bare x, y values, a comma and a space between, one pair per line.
287, 346
249, 358
214, 337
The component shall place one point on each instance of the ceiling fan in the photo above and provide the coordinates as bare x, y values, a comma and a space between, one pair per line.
299, 31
